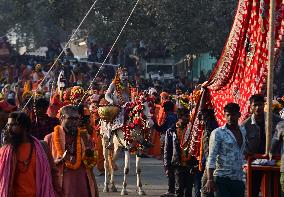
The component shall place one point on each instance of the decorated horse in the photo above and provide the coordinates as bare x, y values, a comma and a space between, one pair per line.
131, 132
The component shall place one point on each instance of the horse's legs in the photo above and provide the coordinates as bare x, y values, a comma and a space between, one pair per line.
115, 154
106, 166
126, 171
138, 176
113, 166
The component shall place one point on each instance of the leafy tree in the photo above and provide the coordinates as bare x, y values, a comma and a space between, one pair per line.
184, 26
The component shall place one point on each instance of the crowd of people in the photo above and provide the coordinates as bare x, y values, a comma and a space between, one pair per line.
33, 69
45, 135
224, 149
51, 147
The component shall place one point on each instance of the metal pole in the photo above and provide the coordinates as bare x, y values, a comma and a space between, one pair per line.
271, 37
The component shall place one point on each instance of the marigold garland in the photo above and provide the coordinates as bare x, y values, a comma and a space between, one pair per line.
76, 93
119, 87
195, 95
90, 162
59, 150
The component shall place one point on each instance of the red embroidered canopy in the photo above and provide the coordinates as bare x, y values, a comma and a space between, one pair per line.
242, 69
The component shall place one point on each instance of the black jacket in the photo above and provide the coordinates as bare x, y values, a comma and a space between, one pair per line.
172, 151
253, 134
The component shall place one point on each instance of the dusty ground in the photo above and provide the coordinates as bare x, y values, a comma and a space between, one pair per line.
153, 178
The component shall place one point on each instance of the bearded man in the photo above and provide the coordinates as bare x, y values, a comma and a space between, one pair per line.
69, 147
26, 165
118, 94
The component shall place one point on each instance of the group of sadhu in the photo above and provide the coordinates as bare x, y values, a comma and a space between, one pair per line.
51, 147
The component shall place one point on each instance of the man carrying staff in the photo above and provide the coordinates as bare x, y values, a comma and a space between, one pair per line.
26, 165
69, 148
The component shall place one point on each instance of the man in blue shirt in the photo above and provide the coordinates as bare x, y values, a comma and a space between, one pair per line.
226, 156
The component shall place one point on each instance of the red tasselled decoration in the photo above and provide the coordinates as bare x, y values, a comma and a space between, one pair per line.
136, 118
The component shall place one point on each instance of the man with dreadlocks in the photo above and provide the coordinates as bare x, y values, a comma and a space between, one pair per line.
26, 164
118, 94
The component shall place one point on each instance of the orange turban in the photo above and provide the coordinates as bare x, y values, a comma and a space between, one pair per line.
164, 95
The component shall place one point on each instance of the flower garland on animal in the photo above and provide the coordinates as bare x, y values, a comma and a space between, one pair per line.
136, 118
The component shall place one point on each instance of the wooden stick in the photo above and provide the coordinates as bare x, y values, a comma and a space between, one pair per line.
271, 37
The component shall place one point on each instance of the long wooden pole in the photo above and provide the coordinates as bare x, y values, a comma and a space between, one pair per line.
271, 38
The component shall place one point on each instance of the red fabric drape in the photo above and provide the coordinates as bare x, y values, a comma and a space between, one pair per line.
242, 69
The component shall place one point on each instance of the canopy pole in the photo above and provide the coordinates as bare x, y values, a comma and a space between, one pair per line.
271, 38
